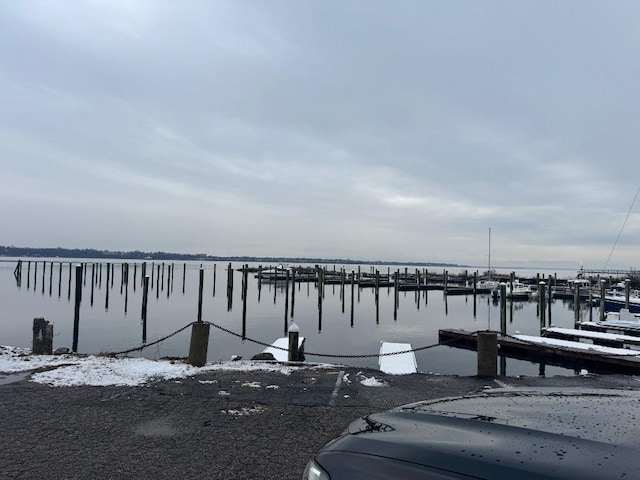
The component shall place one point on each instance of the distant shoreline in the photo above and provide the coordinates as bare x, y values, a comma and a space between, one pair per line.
58, 252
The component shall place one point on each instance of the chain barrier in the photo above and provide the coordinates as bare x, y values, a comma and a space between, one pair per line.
312, 354
142, 347
330, 355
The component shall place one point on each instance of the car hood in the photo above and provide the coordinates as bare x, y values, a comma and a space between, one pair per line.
534, 433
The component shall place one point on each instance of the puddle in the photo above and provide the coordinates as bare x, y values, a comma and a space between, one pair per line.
6, 379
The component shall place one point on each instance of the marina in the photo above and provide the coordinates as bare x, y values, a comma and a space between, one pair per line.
346, 313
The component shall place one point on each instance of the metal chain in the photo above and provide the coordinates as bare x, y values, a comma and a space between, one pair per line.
141, 347
329, 355
312, 354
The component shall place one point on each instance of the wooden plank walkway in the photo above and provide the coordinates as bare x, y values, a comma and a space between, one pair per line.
400, 364
574, 355
598, 338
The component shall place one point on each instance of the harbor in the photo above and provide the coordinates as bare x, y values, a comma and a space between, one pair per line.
344, 312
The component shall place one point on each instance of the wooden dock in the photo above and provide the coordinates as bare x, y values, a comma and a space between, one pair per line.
617, 340
573, 355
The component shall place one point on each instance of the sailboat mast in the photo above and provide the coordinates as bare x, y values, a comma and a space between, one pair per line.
489, 250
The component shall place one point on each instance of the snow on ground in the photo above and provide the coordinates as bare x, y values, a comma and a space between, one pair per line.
73, 370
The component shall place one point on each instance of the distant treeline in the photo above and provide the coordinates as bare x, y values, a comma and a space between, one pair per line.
58, 252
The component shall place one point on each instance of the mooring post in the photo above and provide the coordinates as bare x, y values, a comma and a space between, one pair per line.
42, 337
503, 308
627, 291
200, 294
602, 285
543, 306
487, 354
145, 302
576, 305
76, 314
199, 333
294, 335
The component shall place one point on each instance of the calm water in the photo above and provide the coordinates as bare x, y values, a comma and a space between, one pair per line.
336, 330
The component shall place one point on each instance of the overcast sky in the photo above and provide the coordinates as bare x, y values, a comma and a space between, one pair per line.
340, 129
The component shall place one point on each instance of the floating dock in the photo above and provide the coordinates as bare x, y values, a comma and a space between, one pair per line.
548, 351
400, 364
616, 340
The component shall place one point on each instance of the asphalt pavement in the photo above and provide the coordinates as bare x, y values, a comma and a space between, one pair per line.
220, 425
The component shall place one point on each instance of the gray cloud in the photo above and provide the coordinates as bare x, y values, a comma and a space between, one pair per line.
354, 129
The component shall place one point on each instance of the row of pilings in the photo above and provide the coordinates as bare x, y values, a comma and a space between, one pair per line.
161, 276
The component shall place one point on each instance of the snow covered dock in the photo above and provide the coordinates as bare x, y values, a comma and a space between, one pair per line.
551, 351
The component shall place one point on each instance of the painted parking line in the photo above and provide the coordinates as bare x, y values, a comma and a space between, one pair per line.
334, 395
502, 384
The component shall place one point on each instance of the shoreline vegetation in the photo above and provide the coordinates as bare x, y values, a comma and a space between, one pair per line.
58, 252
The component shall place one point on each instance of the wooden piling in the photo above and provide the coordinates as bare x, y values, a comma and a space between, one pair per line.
200, 289
199, 344
42, 343
294, 335
602, 292
145, 302
293, 290
542, 304
51, 279
503, 308
76, 313
488, 353
69, 289
106, 295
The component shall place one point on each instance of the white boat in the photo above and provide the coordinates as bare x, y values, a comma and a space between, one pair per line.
515, 291
279, 272
615, 299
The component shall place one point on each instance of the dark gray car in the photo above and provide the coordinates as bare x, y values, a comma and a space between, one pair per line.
515, 434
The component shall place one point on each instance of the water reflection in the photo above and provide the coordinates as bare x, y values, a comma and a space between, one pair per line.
376, 311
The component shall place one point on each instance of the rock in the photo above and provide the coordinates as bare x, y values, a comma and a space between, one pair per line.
61, 351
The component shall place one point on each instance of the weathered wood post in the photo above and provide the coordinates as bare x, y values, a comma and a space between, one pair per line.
576, 305
245, 286
488, 353
199, 333
51, 279
59, 279
135, 276
214, 279
294, 335
627, 292
145, 303
293, 290
200, 289
76, 314
503, 308
93, 279
543, 306
159, 281
602, 291
107, 288
352, 298
42, 337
